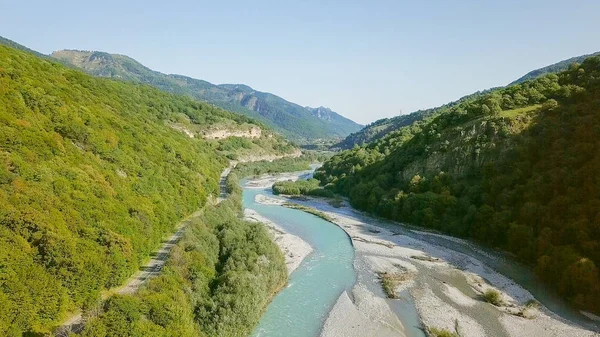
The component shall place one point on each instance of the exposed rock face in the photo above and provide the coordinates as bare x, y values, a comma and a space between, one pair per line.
253, 132
183, 129
250, 102
462, 151
322, 113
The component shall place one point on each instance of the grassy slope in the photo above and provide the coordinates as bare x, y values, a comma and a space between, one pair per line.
383, 127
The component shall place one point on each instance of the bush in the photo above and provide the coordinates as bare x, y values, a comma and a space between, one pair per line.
550, 104
493, 296
434, 332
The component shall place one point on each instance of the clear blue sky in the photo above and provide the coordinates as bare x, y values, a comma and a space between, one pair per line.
364, 59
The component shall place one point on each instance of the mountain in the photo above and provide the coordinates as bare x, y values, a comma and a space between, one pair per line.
13, 44
94, 174
379, 129
553, 68
297, 122
513, 168
382, 127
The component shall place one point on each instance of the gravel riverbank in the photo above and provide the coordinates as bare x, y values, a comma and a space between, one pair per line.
294, 249
446, 287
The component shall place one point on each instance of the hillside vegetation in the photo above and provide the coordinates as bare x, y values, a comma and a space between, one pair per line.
296, 122
554, 68
92, 177
513, 168
217, 282
383, 127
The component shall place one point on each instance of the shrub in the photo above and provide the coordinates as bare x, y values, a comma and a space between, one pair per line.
434, 332
493, 296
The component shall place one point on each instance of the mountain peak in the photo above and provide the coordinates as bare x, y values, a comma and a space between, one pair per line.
324, 113
299, 123
240, 87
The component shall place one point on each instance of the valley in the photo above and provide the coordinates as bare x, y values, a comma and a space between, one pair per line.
499, 168
301, 124
442, 289
246, 169
94, 176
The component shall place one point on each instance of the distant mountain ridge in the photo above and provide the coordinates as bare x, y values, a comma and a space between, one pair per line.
553, 68
297, 122
13, 44
383, 127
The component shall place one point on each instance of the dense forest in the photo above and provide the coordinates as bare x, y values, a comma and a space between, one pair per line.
289, 164
513, 168
217, 281
92, 178
301, 187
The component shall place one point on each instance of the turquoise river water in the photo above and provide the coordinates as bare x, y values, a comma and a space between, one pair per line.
301, 309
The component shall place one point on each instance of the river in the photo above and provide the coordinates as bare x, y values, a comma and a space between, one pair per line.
301, 309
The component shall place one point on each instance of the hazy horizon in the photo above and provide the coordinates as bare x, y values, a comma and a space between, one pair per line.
364, 61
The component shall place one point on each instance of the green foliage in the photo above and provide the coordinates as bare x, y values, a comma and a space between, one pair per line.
92, 178
489, 102
217, 281
308, 210
301, 187
232, 183
522, 179
554, 68
434, 332
288, 164
493, 296
242, 147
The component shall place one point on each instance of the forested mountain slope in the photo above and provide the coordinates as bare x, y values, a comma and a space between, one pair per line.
382, 127
15, 45
217, 281
93, 174
554, 68
514, 168
299, 123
